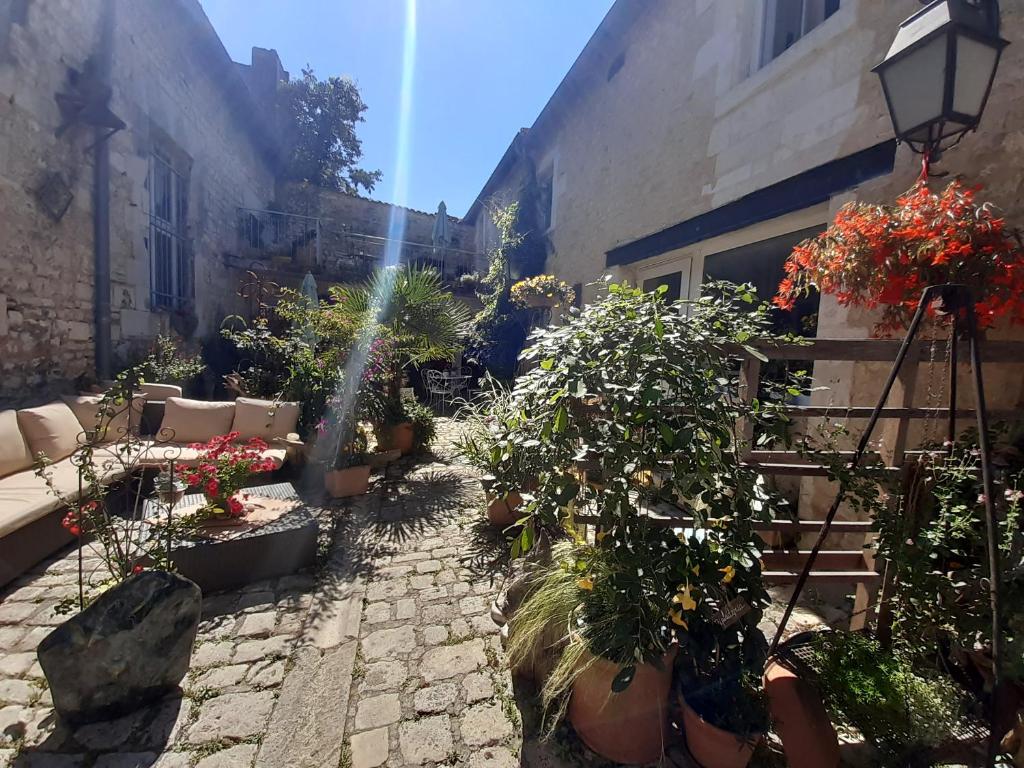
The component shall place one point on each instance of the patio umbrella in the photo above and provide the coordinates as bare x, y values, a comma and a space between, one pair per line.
441, 236
308, 292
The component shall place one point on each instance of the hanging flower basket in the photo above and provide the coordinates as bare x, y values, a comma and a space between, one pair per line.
883, 256
542, 291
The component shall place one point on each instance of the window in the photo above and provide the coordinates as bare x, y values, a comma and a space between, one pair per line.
545, 192
170, 259
673, 282
617, 63
786, 21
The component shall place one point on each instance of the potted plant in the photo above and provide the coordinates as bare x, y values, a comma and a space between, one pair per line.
505, 469
223, 469
883, 256
903, 712
634, 387
604, 612
169, 487
350, 475
130, 606
542, 291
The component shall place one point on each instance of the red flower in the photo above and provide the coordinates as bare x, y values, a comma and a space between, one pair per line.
212, 486
137, 568
884, 256
235, 508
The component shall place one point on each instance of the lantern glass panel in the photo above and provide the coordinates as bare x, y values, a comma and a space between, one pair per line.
915, 85
975, 66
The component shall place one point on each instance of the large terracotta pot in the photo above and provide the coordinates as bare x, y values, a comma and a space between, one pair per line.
800, 719
398, 436
502, 512
713, 747
631, 727
351, 481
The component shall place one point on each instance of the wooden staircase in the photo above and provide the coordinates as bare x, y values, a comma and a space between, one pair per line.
856, 568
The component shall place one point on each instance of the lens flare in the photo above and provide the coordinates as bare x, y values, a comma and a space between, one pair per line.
345, 396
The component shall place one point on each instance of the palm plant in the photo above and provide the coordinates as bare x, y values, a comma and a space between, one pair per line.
410, 305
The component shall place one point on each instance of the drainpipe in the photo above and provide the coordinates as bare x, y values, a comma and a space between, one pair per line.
101, 205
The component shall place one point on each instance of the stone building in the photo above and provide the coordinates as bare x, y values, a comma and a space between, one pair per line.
188, 154
191, 176
703, 139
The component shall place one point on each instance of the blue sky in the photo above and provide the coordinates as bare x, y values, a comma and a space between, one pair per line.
483, 69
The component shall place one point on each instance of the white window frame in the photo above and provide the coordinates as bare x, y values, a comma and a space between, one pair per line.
769, 8
171, 268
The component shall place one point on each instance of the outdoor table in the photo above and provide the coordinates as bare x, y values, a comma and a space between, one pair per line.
228, 557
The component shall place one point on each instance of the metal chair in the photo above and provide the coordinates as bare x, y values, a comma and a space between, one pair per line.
437, 385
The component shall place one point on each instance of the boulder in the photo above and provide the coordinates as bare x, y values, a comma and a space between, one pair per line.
127, 649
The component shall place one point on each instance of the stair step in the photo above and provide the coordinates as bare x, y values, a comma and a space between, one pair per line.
826, 577
827, 560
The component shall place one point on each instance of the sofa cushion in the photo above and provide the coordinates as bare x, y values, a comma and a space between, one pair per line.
153, 391
115, 425
25, 497
51, 429
264, 418
15, 455
194, 421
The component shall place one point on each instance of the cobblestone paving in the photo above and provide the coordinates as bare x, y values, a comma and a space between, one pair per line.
386, 656
430, 686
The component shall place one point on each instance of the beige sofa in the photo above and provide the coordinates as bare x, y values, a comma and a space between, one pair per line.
30, 513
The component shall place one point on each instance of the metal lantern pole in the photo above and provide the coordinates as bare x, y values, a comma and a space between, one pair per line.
956, 298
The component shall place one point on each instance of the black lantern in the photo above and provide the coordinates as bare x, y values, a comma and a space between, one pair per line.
939, 71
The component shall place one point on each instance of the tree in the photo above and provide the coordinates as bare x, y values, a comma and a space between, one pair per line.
318, 127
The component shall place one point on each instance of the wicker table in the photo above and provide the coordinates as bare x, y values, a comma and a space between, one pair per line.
276, 549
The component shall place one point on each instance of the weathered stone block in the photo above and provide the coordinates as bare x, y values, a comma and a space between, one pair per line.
127, 649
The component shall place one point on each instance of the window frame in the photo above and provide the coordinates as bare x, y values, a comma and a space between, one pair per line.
171, 267
766, 53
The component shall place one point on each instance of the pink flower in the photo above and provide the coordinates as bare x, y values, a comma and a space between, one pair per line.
212, 486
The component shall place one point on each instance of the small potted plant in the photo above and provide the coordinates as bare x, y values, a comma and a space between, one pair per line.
393, 428
542, 291
223, 469
169, 488
350, 475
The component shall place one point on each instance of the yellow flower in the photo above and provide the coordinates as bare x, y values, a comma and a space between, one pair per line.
585, 583
684, 599
677, 618
695, 570
729, 572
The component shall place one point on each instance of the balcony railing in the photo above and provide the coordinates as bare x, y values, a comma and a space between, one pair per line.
285, 239
353, 256
293, 243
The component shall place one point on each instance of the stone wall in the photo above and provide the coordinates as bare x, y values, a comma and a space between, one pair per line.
689, 122
353, 230
174, 86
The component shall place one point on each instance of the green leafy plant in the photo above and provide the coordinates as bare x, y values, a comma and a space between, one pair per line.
167, 363
499, 330
630, 404
936, 537
899, 710
317, 121
297, 357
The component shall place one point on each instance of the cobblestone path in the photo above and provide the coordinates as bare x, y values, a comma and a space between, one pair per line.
430, 686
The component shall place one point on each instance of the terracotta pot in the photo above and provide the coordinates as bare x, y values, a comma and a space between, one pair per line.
502, 512
713, 747
631, 727
800, 719
351, 481
380, 459
398, 436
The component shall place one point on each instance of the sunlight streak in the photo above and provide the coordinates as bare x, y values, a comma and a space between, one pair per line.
348, 389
